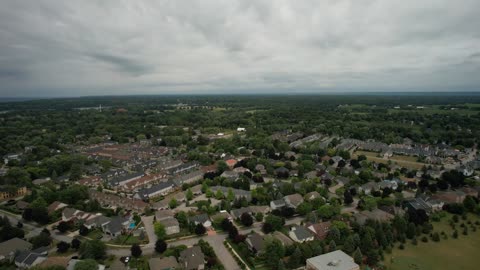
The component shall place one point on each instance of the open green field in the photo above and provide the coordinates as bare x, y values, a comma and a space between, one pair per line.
447, 254
404, 161
471, 109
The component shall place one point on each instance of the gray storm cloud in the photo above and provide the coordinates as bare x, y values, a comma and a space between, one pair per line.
75, 48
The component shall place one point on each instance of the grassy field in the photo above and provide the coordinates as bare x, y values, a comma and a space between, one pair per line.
404, 161
444, 255
436, 109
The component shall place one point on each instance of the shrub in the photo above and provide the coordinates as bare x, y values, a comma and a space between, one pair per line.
436, 237
424, 239
414, 241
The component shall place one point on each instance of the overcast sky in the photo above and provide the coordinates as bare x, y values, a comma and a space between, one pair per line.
77, 48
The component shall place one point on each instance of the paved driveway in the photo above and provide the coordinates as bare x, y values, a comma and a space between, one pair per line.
150, 230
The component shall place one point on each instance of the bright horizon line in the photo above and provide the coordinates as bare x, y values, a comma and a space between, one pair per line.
303, 93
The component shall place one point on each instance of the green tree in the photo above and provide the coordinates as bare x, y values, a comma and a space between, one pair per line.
296, 259
189, 194
246, 219
76, 172
349, 245
411, 230
75, 244
136, 250
62, 247
221, 166
219, 195
173, 203
304, 208
273, 252
273, 223
93, 249
332, 246
160, 230
160, 246
358, 256
199, 229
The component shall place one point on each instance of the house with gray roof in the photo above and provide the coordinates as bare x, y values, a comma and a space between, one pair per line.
336, 260
230, 175
201, 219
255, 242
116, 226
293, 200
188, 178
238, 193
167, 263
301, 234
171, 225
277, 204
124, 179
10, 247
192, 258
26, 259
154, 191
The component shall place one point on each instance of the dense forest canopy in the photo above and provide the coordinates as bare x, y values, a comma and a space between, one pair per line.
50, 125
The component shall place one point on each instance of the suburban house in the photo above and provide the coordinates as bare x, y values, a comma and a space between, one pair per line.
160, 189
312, 195
41, 181
293, 200
300, 234
184, 167
9, 248
117, 226
71, 265
255, 242
74, 215
164, 214
252, 210
277, 204
369, 187
26, 259
8, 193
238, 193
114, 201
320, 229
124, 179
167, 263
223, 214
55, 206
171, 225
113, 226
230, 175
192, 258
188, 178
285, 240
201, 219
231, 163
336, 260
98, 221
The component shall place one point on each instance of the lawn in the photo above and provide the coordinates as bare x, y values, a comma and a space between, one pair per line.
447, 254
128, 240
404, 161
95, 234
